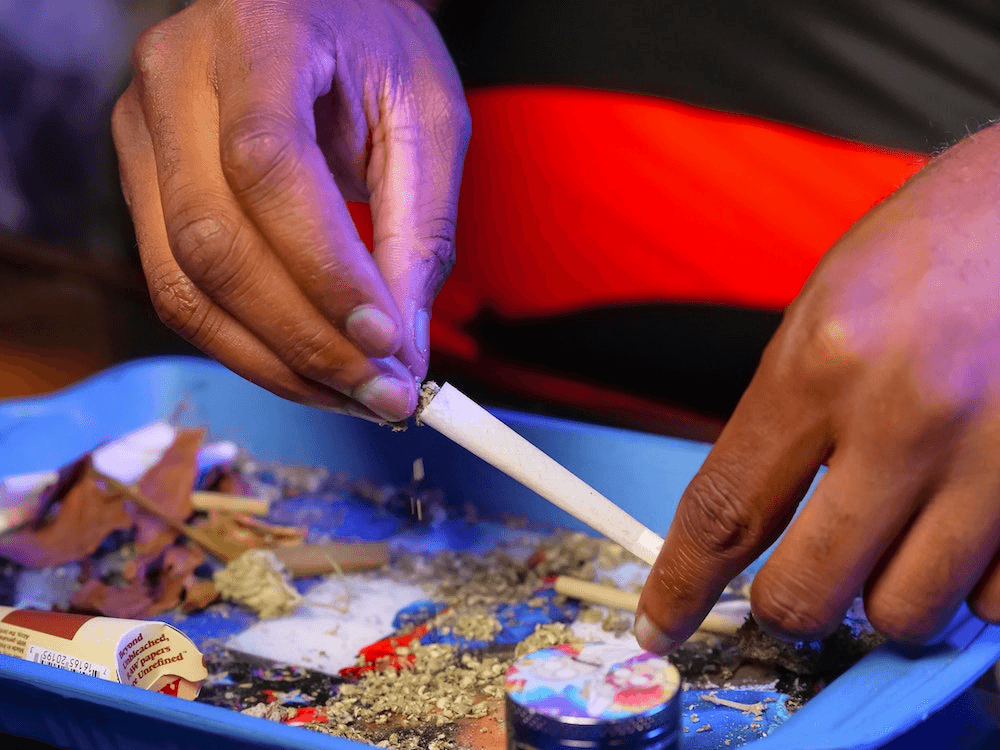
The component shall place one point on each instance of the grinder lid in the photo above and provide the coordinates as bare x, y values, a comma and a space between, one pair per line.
593, 692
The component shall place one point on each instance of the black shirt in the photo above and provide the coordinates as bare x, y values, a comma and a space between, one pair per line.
913, 74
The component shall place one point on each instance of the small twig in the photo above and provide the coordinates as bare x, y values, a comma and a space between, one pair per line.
211, 542
343, 601
757, 709
253, 506
720, 623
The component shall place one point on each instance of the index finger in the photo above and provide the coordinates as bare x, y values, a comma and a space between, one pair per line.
736, 506
415, 173
279, 173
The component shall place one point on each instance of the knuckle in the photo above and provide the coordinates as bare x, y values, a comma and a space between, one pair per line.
259, 152
152, 50
790, 608
715, 515
904, 618
439, 250
938, 406
192, 230
146, 52
209, 250
453, 116
446, 113
315, 356
179, 305
677, 581
832, 351
923, 420
431, 107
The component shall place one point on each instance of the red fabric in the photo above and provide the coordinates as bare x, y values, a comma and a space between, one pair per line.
576, 198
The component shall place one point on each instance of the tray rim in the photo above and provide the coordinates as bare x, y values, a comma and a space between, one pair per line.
950, 667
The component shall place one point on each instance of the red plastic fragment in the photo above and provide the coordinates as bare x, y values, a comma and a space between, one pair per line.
306, 715
382, 653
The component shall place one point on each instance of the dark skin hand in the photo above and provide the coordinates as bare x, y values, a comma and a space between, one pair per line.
247, 126
250, 122
887, 368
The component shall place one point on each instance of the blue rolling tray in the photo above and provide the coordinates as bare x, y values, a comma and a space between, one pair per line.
891, 699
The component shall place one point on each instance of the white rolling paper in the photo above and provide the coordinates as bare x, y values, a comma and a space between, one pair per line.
459, 418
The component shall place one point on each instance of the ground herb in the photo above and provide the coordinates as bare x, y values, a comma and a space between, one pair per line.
257, 580
447, 697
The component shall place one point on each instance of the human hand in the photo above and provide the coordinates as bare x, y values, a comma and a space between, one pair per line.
247, 126
887, 368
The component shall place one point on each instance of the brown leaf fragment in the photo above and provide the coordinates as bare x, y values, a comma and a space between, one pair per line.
146, 586
177, 571
69, 476
148, 550
227, 479
169, 482
77, 518
129, 601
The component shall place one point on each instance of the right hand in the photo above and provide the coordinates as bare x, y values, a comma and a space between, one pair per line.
886, 367
248, 125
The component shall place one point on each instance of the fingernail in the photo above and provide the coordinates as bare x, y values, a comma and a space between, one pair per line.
391, 399
422, 332
372, 331
651, 637
351, 410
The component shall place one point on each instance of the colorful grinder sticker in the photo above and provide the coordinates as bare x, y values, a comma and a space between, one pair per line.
597, 695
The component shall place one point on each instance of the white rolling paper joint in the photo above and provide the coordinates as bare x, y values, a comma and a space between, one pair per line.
462, 420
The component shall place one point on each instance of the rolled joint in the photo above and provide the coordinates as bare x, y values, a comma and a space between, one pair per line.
427, 393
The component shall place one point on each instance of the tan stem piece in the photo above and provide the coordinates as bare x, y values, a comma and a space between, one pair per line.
459, 418
596, 593
721, 623
757, 709
252, 506
306, 560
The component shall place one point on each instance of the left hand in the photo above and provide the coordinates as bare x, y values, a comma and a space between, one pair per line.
886, 367
247, 127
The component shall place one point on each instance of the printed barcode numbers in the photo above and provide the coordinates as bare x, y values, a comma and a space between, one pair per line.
70, 663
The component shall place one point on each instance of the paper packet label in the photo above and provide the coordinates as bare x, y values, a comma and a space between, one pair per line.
143, 653
52, 658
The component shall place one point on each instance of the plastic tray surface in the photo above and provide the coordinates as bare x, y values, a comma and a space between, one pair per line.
887, 694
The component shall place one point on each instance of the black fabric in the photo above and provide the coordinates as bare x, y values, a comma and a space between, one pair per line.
696, 355
913, 74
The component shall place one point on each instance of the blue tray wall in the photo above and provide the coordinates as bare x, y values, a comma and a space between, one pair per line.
887, 694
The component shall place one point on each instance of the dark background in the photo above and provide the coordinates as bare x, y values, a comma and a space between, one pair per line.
910, 74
